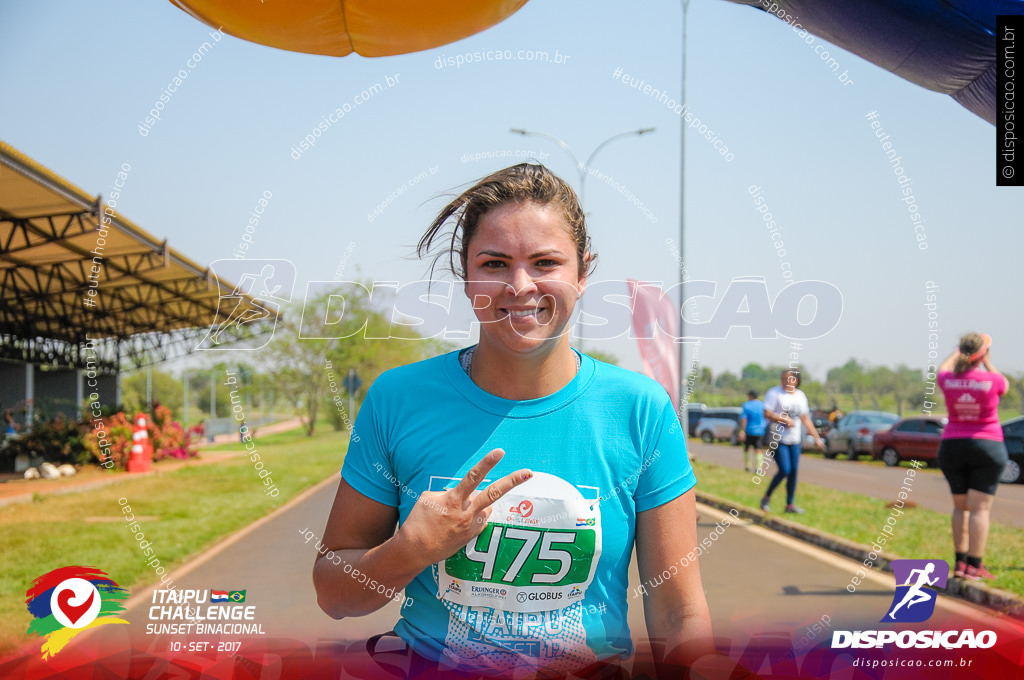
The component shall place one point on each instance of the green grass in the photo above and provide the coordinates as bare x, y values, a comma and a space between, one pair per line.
919, 533
192, 508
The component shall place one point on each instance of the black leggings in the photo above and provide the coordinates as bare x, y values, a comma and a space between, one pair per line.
972, 464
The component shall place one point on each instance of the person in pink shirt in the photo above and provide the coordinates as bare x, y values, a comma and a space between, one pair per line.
972, 454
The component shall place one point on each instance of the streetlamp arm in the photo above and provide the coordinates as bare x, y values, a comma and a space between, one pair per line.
556, 140
581, 168
611, 139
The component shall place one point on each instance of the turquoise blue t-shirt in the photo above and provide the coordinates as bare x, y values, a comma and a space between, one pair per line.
545, 583
753, 412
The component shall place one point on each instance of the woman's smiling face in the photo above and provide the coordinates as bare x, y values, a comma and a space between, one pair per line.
522, 276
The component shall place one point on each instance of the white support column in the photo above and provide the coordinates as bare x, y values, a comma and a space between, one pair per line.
30, 394
79, 390
184, 415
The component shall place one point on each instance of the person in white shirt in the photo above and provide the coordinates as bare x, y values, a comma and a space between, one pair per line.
785, 407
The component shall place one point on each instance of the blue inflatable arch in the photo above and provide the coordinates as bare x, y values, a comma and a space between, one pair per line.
948, 46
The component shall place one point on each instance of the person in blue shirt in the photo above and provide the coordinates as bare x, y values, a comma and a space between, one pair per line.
519, 472
752, 428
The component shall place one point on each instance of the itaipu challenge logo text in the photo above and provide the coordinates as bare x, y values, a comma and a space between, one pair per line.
69, 600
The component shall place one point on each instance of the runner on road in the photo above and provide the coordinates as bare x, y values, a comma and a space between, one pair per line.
519, 471
752, 429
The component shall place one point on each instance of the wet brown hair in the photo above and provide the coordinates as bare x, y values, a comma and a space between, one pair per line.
969, 344
523, 183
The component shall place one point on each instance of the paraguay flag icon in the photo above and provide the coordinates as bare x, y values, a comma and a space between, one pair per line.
227, 596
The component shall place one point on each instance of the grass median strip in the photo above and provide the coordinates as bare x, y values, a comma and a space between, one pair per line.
196, 507
919, 533
293, 435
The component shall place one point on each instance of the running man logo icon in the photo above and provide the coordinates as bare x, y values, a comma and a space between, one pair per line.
263, 286
914, 601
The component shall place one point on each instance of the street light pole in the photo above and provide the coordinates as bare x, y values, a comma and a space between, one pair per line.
683, 412
184, 415
582, 169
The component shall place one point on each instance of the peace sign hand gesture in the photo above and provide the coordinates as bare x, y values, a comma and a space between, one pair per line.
443, 522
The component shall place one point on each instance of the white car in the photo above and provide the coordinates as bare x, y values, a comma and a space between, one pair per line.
721, 424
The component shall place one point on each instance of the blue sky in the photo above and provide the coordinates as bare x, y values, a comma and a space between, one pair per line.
79, 79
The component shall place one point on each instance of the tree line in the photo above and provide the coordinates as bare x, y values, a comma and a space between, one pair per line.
341, 328
853, 386
344, 328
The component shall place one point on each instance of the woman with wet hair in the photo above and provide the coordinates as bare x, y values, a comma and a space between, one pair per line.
527, 469
972, 454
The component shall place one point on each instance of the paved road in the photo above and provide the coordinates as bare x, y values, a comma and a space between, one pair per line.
757, 582
879, 481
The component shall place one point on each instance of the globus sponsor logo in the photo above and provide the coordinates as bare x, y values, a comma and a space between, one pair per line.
917, 639
515, 519
523, 597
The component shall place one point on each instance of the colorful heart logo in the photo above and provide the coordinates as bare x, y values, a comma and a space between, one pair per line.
66, 601
73, 612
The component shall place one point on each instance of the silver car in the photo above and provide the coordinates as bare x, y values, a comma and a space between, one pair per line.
720, 424
855, 432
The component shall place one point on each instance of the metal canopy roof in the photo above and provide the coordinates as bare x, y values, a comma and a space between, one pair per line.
148, 302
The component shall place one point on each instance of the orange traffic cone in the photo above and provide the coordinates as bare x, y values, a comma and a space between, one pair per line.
142, 451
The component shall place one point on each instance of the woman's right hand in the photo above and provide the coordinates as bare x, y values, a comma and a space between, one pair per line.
987, 362
442, 522
785, 420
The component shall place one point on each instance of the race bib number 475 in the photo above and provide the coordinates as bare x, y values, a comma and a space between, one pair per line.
538, 553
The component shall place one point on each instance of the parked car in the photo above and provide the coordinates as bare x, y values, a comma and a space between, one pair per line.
808, 444
693, 413
720, 424
1013, 435
916, 438
820, 419
822, 426
854, 432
